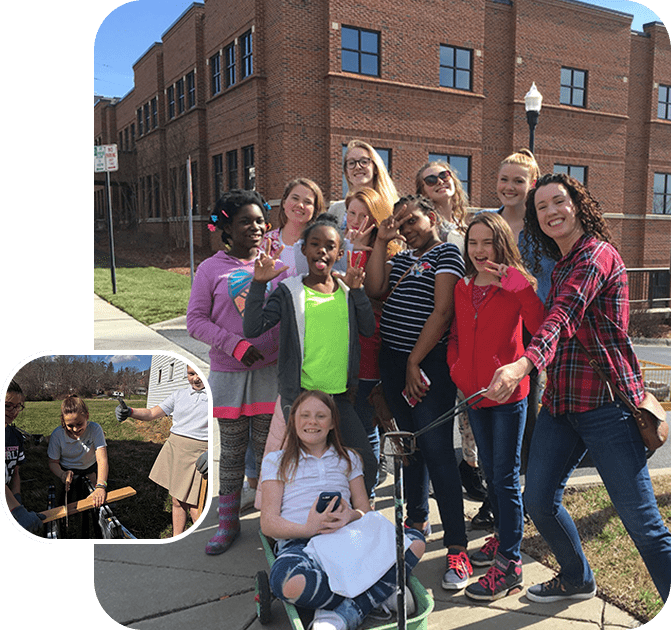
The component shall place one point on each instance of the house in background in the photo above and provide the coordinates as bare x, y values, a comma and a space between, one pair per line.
166, 375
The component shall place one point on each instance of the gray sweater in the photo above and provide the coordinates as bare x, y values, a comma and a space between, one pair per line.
287, 305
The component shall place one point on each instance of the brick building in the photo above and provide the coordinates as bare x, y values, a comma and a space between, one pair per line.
260, 91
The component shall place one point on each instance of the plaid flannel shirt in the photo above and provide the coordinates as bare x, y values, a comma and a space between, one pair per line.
589, 298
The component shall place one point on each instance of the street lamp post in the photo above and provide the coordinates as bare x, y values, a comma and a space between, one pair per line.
532, 103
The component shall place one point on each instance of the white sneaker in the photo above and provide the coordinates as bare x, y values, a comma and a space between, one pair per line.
247, 497
327, 620
390, 605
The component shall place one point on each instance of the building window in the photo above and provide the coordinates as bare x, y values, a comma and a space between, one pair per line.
180, 96
578, 172
573, 87
127, 139
229, 56
194, 187
360, 51
456, 67
249, 172
232, 169
191, 89
218, 170
121, 141
154, 112
664, 102
215, 69
247, 54
460, 164
139, 122
132, 135
171, 102
150, 206
146, 117
662, 194
157, 196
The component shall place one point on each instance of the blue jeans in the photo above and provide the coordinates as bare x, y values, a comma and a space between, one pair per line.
498, 433
616, 448
435, 458
292, 560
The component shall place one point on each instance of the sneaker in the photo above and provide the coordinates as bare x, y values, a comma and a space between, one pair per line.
327, 620
247, 498
473, 481
485, 556
390, 605
425, 531
557, 589
458, 570
484, 519
503, 578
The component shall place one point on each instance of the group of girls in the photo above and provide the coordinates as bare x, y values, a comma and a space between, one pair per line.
442, 300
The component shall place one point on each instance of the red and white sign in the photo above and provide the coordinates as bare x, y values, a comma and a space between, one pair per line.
105, 158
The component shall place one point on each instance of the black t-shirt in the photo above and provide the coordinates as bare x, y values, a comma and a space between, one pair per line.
14, 454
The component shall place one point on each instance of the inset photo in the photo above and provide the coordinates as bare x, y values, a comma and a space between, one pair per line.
107, 446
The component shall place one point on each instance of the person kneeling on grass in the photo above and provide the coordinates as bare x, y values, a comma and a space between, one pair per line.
314, 460
175, 467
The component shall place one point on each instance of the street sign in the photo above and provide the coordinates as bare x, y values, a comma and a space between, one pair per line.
105, 158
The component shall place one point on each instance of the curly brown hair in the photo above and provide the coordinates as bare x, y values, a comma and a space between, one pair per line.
588, 212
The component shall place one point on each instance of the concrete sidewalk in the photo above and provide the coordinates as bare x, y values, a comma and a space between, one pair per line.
174, 585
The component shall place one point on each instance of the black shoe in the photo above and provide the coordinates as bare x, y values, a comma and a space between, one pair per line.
473, 481
484, 519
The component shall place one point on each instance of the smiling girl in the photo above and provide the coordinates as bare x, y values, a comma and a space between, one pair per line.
320, 314
243, 375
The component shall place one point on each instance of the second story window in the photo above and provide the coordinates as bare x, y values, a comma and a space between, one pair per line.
662, 194
215, 73
456, 67
154, 112
140, 126
146, 118
171, 102
180, 96
460, 164
247, 54
664, 102
578, 172
573, 89
229, 57
191, 89
360, 51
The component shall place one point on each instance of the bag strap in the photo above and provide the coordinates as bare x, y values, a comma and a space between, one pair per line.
606, 379
410, 268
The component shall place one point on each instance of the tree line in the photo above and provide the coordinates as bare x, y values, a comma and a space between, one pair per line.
53, 377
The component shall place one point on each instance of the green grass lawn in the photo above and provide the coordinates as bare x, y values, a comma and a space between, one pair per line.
147, 294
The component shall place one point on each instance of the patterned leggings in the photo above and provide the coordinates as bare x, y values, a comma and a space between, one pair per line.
234, 438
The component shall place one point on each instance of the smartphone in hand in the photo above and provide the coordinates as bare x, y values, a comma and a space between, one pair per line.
325, 498
411, 400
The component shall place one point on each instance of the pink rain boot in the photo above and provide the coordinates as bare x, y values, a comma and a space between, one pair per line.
229, 524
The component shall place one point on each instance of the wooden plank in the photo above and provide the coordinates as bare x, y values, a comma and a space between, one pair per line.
86, 504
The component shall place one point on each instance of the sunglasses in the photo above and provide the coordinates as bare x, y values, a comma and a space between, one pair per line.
432, 180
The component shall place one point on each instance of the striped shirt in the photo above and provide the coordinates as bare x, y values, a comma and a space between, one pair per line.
589, 298
407, 308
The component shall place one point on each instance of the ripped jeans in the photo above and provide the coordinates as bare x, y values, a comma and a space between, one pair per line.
292, 560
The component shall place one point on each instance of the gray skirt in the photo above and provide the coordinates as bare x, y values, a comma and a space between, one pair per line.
248, 393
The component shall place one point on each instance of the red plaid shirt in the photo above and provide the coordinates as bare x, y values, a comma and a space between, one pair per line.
589, 298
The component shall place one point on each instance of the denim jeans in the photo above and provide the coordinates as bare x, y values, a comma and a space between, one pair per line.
435, 458
616, 448
366, 414
498, 433
292, 561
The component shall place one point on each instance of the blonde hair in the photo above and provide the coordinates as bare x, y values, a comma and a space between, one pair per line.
382, 181
459, 200
525, 158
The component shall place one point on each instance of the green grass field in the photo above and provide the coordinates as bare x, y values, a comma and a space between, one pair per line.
147, 294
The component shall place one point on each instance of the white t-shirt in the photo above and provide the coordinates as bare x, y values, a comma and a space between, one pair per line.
314, 475
189, 410
76, 453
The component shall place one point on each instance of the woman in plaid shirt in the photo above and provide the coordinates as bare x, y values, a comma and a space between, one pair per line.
589, 299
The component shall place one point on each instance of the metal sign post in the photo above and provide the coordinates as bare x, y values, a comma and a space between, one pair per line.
105, 159
190, 196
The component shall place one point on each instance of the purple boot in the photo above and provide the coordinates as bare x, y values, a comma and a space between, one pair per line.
229, 524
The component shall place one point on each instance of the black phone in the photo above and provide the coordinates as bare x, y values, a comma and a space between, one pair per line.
325, 498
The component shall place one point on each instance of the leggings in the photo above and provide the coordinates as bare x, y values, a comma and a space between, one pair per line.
234, 436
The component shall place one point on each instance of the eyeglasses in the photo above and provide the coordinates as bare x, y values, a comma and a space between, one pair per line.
362, 162
11, 407
432, 180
